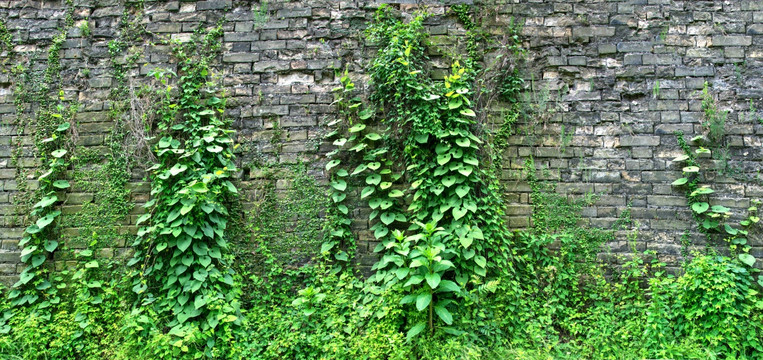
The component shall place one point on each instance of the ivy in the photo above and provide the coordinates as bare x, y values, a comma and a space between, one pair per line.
435, 210
182, 270
52, 121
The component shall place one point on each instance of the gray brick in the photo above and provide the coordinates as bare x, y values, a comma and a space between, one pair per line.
731, 40
644, 140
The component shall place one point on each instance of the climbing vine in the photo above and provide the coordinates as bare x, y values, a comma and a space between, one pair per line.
451, 235
52, 120
182, 270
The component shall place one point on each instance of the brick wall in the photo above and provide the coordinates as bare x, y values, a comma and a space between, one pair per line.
598, 61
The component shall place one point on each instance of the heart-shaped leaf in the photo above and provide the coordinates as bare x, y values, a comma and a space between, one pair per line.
702, 191
184, 243
448, 181
747, 259
45, 220
465, 170
373, 179
455, 103
680, 181
373, 136
51, 245
46, 201
480, 261
387, 218
63, 127
339, 184
61, 184
720, 209
458, 212
691, 169
463, 142
462, 190
466, 241
357, 127
214, 148
395, 193
177, 169
700, 207
332, 164
468, 112
443, 159
59, 153
682, 157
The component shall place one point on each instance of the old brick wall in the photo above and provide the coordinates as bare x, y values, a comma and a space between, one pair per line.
608, 131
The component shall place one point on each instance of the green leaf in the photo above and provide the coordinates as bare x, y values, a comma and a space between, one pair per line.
63, 127
61, 184
37, 260
359, 169
373, 136
357, 127
481, 261
46, 220
433, 279
747, 259
177, 169
455, 103
214, 148
387, 218
184, 243
423, 300
199, 187
415, 330
471, 161
58, 153
680, 181
683, 157
374, 165
444, 314
51, 245
443, 159
165, 142
702, 191
395, 193
466, 241
332, 164
459, 212
449, 286
691, 169
448, 181
339, 184
730, 230
46, 201
700, 207
465, 170
373, 179
720, 209
462, 190
199, 302
365, 114
381, 232
422, 138
463, 142
468, 112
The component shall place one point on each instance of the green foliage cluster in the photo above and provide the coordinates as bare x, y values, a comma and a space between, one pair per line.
183, 278
451, 281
